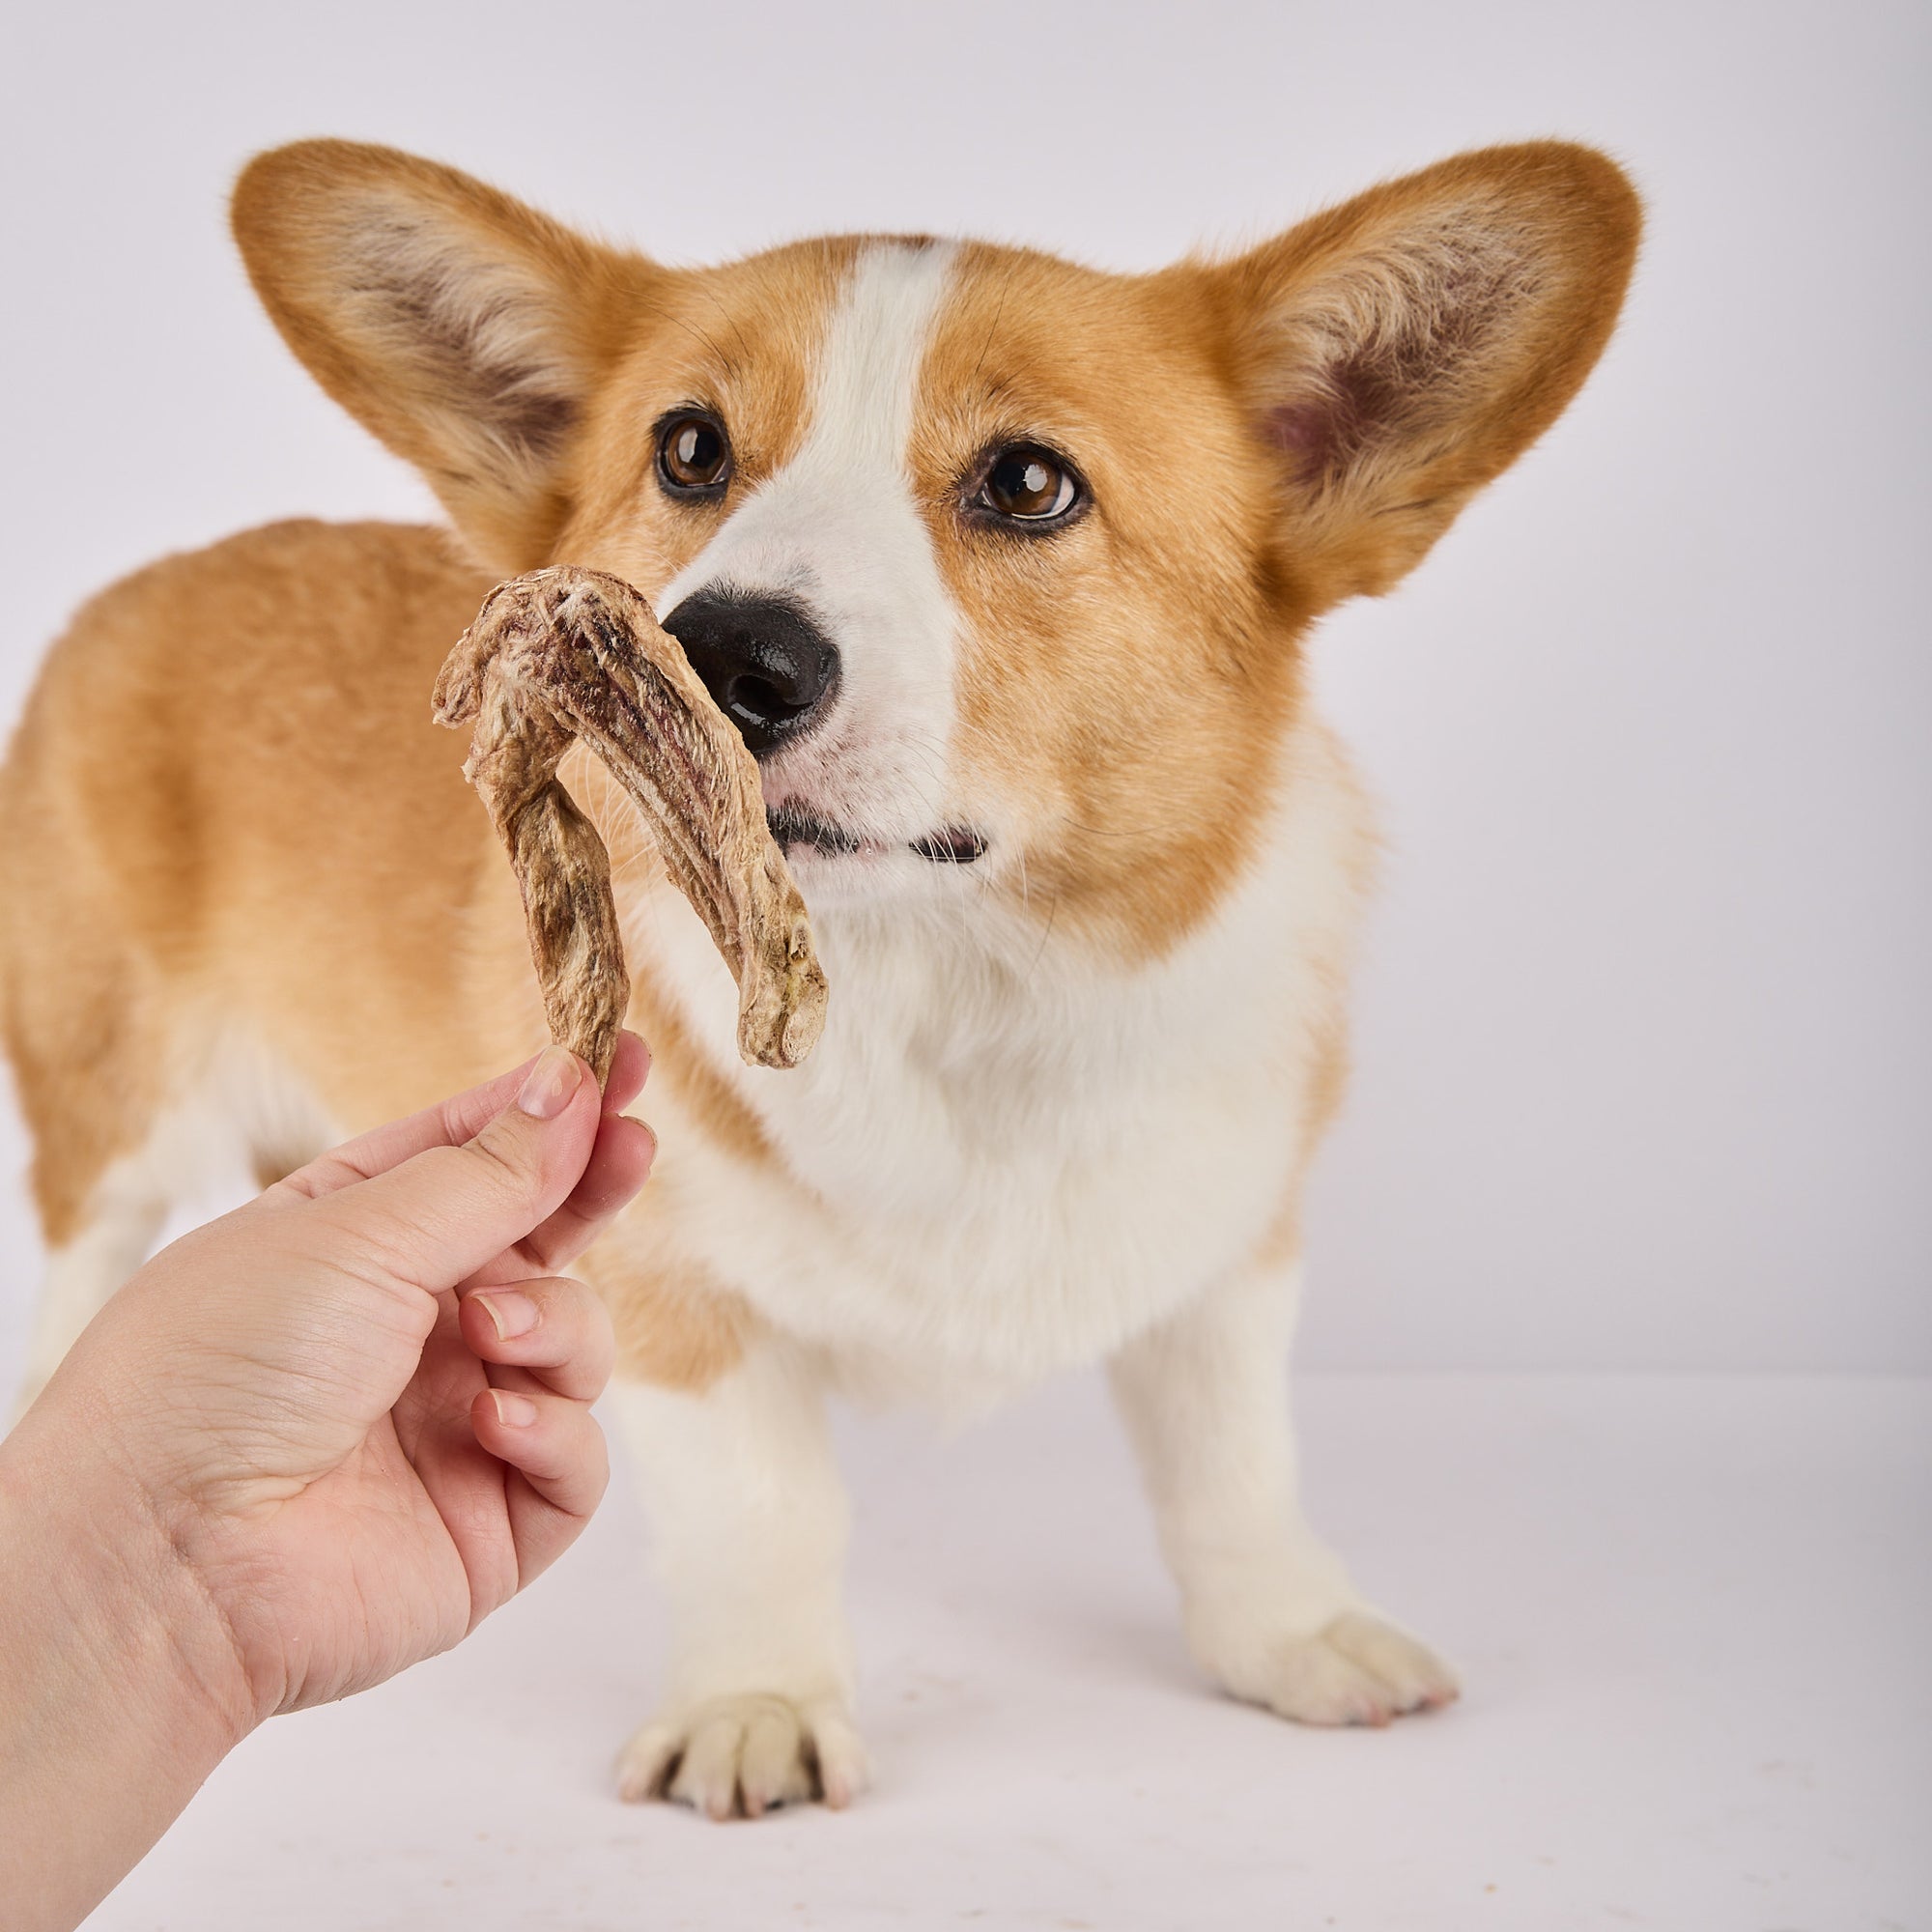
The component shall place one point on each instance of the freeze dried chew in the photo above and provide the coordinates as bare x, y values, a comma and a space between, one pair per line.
568, 653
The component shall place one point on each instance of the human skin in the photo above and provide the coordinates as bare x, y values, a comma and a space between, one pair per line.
304, 1447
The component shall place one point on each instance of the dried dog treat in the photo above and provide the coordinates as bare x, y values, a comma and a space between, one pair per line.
568, 653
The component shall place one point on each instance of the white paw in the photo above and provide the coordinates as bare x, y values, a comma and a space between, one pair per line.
1355, 1670
746, 1755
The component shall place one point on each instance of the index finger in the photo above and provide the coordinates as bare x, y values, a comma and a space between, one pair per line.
452, 1123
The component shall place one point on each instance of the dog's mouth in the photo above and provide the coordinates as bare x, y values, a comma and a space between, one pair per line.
951, 845
793, 827
797, 829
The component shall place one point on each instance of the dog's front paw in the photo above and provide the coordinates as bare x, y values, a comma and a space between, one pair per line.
745, 1755
1357, 1669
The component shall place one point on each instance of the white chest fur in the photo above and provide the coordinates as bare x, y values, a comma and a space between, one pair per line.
1004, 1164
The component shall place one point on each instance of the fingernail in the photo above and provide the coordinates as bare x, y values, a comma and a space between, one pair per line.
512, 1311
650, 1133
513, 1410
551, 1081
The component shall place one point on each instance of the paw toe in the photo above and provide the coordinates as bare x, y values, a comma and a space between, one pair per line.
844, 1768
1415, 1678
646, 1760
772, 1768
706, 1777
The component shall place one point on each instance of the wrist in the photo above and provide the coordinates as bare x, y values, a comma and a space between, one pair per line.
120, 1685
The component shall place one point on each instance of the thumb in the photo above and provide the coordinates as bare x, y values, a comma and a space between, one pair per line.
441, 1215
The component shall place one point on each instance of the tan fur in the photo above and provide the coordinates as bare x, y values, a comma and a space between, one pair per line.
333, 234
677, 1325
1185, 603
1414, 342
202, 721
1133, 680
226, 804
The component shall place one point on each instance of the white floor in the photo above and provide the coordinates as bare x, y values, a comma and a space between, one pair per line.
1694, 1616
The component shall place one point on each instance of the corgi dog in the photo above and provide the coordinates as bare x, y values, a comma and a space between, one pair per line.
1004, 570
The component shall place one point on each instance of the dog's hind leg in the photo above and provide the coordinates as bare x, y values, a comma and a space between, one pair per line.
237, 1110
122, 1218
86, 1023
101, 1178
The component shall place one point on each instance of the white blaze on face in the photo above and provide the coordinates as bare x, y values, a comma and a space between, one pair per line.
838, 531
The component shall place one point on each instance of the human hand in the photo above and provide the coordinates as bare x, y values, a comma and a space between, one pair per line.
295, 1453
358, 1409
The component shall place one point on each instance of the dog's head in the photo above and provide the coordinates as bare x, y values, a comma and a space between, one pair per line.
999, 563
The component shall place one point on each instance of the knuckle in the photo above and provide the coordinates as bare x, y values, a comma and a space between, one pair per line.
502, 1158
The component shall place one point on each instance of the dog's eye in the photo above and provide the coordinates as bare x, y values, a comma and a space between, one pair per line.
1029, 485
694, 457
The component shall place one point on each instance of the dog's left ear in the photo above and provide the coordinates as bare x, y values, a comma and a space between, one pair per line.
1398, 351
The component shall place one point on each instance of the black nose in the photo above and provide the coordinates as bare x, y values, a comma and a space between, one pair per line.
766, 664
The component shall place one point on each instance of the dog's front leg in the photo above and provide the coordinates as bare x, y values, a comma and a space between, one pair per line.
750, 1523
1269, 1610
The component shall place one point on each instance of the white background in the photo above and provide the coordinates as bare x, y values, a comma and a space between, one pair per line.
1645, 1076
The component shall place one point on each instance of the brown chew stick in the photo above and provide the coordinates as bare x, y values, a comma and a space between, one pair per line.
568, 653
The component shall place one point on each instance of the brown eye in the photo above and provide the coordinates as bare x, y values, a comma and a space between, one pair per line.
694, 459
1029, 485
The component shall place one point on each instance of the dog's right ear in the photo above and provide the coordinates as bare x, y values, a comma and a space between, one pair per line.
464, 329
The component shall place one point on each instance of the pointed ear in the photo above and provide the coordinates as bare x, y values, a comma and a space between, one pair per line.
464, 329
1396, 352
